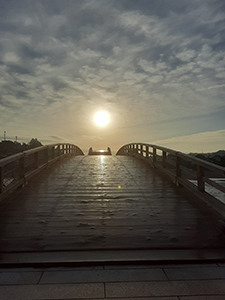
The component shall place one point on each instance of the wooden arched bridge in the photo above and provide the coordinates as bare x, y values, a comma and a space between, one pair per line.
146, 203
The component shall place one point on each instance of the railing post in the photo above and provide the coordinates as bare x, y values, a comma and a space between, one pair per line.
147, 151
154, 155
141, 150
164, 159
22, 169
47, 155
53, 152
36, 160
1, 180
178, 170
200, 177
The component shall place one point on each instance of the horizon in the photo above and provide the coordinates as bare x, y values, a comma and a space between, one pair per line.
156, 68
26, 141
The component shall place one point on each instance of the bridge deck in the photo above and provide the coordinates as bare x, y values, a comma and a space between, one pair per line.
104, 202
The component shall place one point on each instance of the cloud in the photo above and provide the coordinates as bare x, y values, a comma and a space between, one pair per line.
144, 61
201, 142
186, 55
212, 87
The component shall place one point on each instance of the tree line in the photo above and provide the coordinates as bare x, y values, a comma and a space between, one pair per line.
9, 148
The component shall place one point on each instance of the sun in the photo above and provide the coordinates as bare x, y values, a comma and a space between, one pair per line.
101, 118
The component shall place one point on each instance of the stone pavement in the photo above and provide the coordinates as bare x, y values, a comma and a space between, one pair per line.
146, 282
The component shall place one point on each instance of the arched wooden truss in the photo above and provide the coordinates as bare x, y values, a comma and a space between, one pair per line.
185, 170
16, 170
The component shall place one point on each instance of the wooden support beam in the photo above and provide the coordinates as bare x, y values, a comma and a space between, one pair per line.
141, 148
154, 155
200, 178
164, 159
47, 155
22, 169
36, 160
1, 180
178, 170
147, 151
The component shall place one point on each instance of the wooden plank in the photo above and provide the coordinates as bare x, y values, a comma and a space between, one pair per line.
104, 203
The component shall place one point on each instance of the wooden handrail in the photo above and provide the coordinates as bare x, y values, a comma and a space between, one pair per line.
188, 171
17, 169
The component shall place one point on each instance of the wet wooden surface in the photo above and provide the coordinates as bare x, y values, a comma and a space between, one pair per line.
104, 202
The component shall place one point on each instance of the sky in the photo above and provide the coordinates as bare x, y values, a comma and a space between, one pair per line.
156, 67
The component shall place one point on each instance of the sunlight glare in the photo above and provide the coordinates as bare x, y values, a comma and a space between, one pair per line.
101, 118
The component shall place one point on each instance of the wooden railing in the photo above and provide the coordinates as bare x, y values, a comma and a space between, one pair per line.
16, 170
185, 170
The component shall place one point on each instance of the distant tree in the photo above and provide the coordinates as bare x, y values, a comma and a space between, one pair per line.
33, 143
223, 161
201, 156
9, 148
24, 147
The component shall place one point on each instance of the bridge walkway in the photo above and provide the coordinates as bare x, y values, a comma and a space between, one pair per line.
104, 203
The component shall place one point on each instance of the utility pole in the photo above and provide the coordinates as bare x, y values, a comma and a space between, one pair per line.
4, 135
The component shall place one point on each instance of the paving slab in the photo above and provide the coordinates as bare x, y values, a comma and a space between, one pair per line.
103, 276
160, 266
21, 270
19, 277
195, 273
148, 298
165, 288
215, 297
63, 291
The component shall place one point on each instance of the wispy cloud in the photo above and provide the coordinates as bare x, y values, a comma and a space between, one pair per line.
200, 142
212, 87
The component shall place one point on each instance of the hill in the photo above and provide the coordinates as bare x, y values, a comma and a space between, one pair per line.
217, 158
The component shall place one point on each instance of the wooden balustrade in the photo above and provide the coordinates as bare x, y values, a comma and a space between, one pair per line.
185, 170
16, 170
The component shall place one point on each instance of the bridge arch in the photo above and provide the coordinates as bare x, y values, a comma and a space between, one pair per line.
17, 169
185, 170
